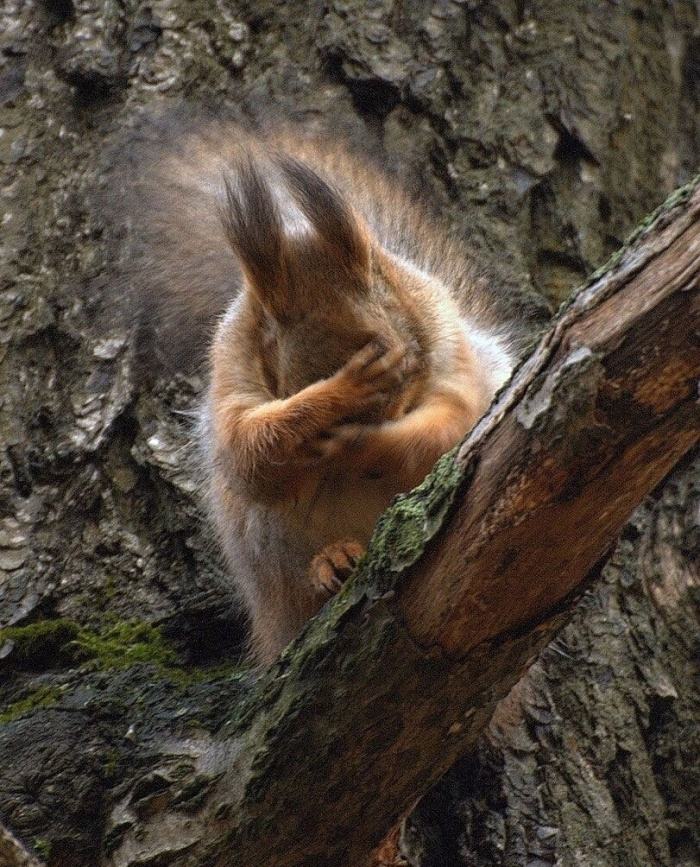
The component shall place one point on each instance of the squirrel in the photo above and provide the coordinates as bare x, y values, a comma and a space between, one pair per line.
348, 342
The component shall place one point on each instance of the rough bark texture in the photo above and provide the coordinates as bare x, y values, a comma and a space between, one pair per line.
546, 130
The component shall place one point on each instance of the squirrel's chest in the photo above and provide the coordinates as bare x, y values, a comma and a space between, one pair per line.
342, 507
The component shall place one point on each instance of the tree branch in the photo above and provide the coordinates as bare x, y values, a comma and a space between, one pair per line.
466, 579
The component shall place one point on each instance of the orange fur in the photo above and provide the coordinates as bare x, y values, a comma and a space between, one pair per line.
353, 347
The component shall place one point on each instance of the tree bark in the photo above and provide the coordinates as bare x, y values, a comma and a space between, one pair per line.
396, 678
545, 131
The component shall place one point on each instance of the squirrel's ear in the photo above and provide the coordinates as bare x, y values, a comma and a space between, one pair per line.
334, 221
253, 228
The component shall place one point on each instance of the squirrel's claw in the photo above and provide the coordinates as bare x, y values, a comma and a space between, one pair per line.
332, 566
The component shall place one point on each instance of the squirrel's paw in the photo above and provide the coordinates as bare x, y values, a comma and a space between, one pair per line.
376, 371
333, 565
332, 443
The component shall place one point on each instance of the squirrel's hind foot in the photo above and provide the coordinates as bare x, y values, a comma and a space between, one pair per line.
333, 565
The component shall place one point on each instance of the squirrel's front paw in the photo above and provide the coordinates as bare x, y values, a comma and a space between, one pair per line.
333, 565
332, 443
374, 374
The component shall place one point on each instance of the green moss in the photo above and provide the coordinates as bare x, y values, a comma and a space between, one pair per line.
42, 848
44, 696
117, 645
41, 644
405, 528
124, 644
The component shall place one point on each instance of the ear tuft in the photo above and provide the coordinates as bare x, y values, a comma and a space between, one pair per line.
253, 227
330, 215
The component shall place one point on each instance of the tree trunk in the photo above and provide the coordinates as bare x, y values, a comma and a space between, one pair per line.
547, 131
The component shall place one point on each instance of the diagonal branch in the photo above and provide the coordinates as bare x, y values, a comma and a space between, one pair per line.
467, 578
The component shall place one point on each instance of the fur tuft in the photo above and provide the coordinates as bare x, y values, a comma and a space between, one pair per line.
253, 227
329, 214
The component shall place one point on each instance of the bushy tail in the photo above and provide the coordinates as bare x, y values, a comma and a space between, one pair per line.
175, 270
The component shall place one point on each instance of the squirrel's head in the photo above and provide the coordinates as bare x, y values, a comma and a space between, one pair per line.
324, 285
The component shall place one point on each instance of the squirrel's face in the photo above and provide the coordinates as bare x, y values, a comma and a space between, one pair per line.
319, 341
318, 345
314, 348
323, 286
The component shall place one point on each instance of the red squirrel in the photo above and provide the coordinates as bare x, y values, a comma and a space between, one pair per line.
348, 341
